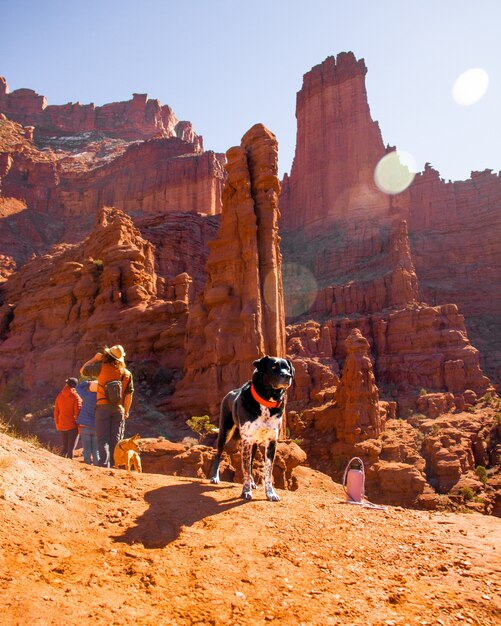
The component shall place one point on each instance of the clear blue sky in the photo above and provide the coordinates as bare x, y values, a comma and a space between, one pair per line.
228, 64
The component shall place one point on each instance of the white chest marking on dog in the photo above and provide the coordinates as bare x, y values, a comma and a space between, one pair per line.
263, 429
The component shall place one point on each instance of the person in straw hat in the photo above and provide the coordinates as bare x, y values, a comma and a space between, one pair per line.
113, 399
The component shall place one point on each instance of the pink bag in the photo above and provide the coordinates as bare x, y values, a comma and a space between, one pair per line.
354, 481
354, 485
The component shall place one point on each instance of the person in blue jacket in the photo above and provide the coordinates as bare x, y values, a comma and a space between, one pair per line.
87, 390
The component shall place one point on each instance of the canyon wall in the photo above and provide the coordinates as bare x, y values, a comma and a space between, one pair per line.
164, 174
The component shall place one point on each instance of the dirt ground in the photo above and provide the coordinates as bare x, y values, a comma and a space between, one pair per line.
84, 545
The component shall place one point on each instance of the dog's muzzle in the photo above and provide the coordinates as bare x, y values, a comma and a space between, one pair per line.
285, 383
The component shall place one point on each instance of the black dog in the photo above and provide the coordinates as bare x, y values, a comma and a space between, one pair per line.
256, 409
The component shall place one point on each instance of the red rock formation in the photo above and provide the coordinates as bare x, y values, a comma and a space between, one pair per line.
355, 413
414, 348
337, 148
331, 184
357, 270
240, 315
456, 247
159, 175
178, 459
454, 445
139, 118
60, 307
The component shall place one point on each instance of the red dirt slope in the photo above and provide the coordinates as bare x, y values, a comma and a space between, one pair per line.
86, 545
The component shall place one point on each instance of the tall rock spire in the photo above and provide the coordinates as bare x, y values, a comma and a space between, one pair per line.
240, 315
338, 146
355, 414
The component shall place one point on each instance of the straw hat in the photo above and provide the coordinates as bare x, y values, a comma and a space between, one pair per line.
116, 352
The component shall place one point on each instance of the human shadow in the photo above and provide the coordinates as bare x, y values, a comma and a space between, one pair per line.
173, 507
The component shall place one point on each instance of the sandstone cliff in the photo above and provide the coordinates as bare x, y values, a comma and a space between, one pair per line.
337, 148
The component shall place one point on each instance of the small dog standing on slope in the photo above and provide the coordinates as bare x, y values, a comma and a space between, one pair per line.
256, 409
126, 453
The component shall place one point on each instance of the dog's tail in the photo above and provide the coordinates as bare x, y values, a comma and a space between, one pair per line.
230, 433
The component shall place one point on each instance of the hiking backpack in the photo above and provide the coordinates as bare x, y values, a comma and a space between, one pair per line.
113, 392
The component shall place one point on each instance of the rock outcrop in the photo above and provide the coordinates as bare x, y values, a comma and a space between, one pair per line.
157, 175
239, 317
355, 413
179, 459
416, 349
337, 148
61, 306
139, 118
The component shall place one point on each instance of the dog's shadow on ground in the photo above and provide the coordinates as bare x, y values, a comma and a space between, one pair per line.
174, 506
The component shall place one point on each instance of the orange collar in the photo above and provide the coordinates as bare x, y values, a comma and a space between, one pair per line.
270, 404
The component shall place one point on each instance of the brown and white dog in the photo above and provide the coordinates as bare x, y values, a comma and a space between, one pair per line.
256, 409
126, 453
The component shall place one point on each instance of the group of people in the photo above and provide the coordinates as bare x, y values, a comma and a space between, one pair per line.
95, 409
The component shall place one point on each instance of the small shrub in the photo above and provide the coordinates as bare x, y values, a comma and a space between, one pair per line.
202, 426
190, 441
422, 392
488, 398
99, 263
481, 472
467, 493
435, 430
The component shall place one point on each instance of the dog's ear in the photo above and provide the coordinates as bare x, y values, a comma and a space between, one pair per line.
293, 371
260, 362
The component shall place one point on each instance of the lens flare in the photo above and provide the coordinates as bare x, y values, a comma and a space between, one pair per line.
300, 289
395, 172
470, 86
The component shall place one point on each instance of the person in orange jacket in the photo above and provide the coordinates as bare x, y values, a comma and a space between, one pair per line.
66, 410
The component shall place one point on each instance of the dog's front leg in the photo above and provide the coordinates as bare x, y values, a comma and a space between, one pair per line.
252, 482
271, 494
246, 469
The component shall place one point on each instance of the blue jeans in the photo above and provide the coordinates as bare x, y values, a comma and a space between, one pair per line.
88, 438
109, 420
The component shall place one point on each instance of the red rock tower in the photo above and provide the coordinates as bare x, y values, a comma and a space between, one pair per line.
240, 315
338, 146
356, 413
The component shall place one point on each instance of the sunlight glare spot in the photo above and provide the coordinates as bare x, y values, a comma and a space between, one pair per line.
300, 289
395, 172
470, 86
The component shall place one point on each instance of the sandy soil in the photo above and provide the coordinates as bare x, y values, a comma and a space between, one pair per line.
84, 545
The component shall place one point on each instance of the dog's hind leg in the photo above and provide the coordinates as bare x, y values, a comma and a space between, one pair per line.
226, 429
268, 472
253, 454
246, 469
